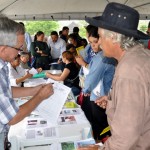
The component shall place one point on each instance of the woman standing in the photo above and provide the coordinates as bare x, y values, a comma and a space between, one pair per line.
40, 51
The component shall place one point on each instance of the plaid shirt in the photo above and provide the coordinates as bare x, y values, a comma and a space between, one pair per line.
8, 107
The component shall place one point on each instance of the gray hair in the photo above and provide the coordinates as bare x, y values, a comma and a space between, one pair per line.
124, 41
9, 30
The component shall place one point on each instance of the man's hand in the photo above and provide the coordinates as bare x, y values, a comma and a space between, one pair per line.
102, 101
45, 91
28, 75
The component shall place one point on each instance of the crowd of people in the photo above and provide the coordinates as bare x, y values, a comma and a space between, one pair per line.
113, 76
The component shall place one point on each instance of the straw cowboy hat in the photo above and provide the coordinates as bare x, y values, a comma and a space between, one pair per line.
119, 18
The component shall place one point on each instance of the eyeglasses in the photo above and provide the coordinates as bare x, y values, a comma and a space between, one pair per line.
18, 49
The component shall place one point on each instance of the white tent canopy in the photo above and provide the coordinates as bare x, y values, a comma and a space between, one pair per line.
65, 9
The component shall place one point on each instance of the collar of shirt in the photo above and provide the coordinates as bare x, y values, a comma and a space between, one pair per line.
2, 63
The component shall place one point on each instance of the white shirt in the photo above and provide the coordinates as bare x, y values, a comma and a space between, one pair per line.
57, 48
15, 74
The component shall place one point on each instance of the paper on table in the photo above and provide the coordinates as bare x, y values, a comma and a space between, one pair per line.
54, 63
49, 80
33, 71
34, 82
37, 127
51, 107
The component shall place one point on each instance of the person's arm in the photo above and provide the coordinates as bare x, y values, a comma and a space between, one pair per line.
34, 50
25, 91
108, 78
60, 77
96, 70
44, 92
81, 61
46, 50
23, 78
17, 75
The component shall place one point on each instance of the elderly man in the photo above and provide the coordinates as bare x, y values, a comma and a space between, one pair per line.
11, 39
128, 106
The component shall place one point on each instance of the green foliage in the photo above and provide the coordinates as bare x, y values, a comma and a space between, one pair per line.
46, 26
83, 24
143, 28
83, 32
143, 25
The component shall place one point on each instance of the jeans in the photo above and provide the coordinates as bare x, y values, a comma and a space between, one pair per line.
76, 91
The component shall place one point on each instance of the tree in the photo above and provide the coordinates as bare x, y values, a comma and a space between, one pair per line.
143, 28
83, 24
46, 26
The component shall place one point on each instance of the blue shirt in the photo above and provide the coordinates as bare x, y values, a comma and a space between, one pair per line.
100, 69
89, 53
8, 107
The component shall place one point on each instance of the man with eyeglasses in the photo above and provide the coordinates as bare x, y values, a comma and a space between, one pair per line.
11, 41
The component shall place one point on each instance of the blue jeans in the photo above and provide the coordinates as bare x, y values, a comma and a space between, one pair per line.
75, 90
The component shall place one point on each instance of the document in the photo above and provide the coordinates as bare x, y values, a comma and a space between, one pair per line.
33, 71
50, 108
83, 143
36, 133
49, 80
81, 52
54, 63
66, 112
66, 120
34, 82
38, 127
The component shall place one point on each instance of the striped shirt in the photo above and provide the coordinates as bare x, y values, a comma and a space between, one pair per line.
8, 107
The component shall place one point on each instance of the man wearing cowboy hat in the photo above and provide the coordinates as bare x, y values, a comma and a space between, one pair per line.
128, 106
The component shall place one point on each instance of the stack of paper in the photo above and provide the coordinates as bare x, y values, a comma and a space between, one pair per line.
51, 107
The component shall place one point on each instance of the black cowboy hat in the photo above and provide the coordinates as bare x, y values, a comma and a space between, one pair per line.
119, 18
